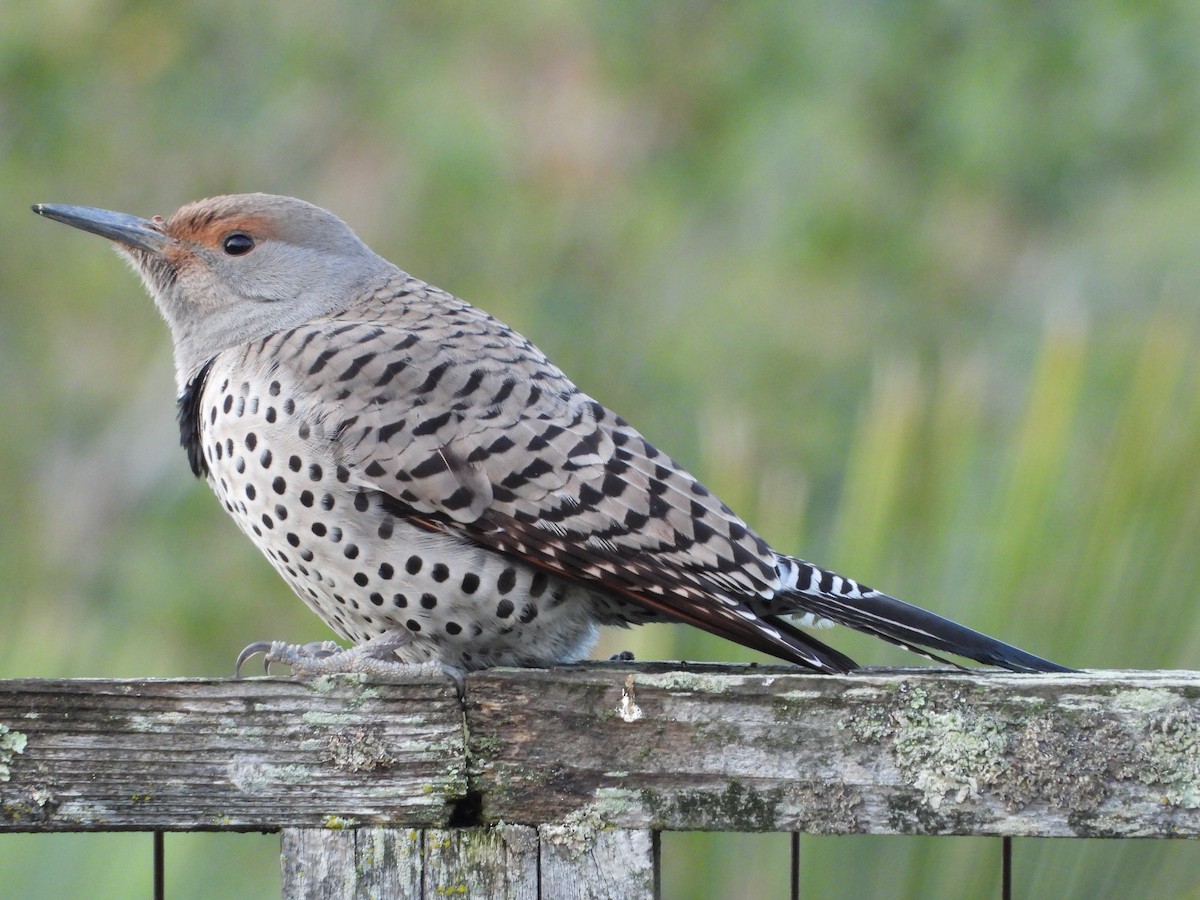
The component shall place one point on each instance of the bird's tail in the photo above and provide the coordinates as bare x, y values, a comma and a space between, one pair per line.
826, 595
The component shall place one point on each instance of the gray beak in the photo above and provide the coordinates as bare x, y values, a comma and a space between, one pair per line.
119, 227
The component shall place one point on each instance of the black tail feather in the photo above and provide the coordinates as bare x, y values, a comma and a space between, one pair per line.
917, 629
833, 661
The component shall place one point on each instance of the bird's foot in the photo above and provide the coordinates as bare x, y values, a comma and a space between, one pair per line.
374, 657
623, 656
295, 655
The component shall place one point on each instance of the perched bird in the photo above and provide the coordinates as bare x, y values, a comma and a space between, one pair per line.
432, 486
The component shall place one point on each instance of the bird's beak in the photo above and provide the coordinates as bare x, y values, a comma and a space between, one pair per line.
119, 227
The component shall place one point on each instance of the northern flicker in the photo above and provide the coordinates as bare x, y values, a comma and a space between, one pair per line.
432, 486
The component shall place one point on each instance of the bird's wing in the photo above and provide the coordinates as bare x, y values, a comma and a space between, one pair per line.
491, 440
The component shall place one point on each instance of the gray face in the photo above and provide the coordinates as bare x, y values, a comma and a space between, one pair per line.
232, 269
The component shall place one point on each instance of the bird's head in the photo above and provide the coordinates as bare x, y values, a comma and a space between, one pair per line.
236, 268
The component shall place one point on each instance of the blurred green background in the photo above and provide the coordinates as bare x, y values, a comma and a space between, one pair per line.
913, 286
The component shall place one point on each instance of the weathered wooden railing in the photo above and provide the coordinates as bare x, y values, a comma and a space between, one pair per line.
556, 783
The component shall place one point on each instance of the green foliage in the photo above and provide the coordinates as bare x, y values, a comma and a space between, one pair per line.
912, 286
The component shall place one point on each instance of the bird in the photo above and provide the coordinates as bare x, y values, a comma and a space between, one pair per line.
433, 487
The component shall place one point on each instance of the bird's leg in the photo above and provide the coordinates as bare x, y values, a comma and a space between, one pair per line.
376, 656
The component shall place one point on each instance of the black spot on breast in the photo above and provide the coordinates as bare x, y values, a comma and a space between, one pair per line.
306, 498
507, 580
504, 609
470, 583
428, 601
251, 493
251, 441
319, 529
361, 579
439, 572
386, 571
400, 601
278, 485
537, 586
413, 566
265, 459
351, 551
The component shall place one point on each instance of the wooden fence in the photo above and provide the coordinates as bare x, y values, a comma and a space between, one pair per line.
557, 783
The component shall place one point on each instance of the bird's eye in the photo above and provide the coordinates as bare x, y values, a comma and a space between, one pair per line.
237, 243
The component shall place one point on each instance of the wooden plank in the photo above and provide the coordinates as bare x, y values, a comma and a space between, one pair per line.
225, 754
1108, 754
637, 747
503, 862
581, 860
351, 864
499, 862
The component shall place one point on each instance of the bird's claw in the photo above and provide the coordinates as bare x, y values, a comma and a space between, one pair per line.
283, 652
